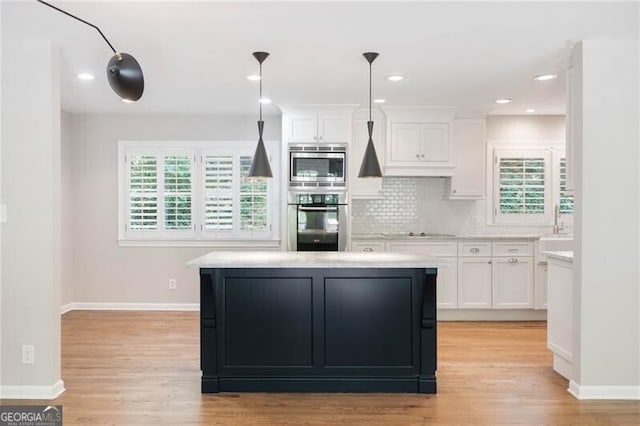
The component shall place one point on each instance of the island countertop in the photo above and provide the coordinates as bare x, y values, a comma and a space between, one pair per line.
292, 259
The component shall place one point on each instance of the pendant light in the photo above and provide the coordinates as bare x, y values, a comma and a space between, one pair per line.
370, 166
123, 70
260, 165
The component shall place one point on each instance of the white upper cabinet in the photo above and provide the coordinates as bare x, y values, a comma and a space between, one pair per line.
469, 177
419, 142
365, 187
317, 124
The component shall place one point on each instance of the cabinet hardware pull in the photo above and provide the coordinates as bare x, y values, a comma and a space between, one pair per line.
489, 262
422, 155
513, 260
320, 137
417, 155
475, 250
454, 191
367, 249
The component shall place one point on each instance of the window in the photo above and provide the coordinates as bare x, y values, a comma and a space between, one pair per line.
521, 180
566, 197
527, 184
193, 192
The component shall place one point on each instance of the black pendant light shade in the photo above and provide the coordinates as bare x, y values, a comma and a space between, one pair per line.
125, 76
370, 166
260, 166
123, 71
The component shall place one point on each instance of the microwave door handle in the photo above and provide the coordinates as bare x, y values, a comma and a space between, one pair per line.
324, 209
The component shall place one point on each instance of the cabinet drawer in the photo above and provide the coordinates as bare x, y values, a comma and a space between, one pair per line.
439, 249
370, 246
471, 249
512, 248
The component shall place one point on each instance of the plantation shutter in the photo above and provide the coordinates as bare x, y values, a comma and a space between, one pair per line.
253, 199
143, 193
566, 197
522, 186
177, 192
218, 193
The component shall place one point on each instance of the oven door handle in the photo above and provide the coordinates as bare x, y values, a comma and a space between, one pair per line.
318, 209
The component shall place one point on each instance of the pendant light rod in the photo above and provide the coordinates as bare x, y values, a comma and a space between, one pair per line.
370, 57
81, 20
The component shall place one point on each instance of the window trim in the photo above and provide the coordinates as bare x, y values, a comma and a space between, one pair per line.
556, 149
522, 219
195, 237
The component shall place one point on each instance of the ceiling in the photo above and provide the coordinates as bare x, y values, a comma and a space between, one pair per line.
195, 55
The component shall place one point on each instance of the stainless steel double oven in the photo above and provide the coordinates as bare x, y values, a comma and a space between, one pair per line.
318, 211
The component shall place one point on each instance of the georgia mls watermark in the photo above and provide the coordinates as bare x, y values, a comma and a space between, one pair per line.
30, 415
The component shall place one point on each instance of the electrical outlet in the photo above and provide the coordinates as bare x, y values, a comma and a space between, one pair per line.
28, 354
172, 284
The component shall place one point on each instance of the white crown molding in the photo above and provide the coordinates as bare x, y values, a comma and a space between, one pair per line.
82, 306
604, 392
32, 392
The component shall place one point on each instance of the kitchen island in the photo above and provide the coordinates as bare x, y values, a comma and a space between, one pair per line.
317, 322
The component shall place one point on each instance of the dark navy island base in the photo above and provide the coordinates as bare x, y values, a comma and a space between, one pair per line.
318, 330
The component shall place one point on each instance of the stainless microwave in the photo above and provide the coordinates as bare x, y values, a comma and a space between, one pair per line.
318, 165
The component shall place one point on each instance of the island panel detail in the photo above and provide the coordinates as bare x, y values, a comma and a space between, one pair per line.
318, 329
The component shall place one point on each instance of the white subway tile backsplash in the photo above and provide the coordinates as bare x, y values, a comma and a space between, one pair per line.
418, 205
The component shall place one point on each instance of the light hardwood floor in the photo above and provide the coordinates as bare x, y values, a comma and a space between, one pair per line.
138, 368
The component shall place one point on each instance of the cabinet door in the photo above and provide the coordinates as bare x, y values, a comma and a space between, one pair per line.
468, 180
332, 128
512, 283
447, 284
434, 142
364, 187
405, 144
540, 290
474, 283
302, 128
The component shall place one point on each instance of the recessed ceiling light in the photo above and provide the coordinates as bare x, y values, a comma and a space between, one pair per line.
85, 76
545, 77
265, 101
504, 101
128, 101
379, 101
530, 111
253, 77
395, 78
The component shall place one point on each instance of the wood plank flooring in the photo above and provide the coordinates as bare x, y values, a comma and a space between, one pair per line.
142, 368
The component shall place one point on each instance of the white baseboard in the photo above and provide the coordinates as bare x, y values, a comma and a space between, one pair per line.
491, 315
82, 306
66, 308
32, 392
604, 392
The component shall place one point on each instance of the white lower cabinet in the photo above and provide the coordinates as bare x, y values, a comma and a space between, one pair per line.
474, 283
512, 282
540, 290
447, 281
474, 274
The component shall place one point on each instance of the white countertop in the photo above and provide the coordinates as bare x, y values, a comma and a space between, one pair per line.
292, 259
417, 238
559, 255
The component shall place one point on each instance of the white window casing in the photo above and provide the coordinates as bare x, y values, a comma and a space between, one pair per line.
194, 194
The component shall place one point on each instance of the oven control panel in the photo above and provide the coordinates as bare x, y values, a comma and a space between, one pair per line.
317, 199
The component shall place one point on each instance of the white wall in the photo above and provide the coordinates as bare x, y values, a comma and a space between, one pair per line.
31, 236
514, 129
66, 290
607, 223
103, 272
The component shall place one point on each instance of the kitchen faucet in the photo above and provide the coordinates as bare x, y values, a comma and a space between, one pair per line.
556, 219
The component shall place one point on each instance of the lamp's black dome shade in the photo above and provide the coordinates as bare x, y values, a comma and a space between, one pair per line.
125, 77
